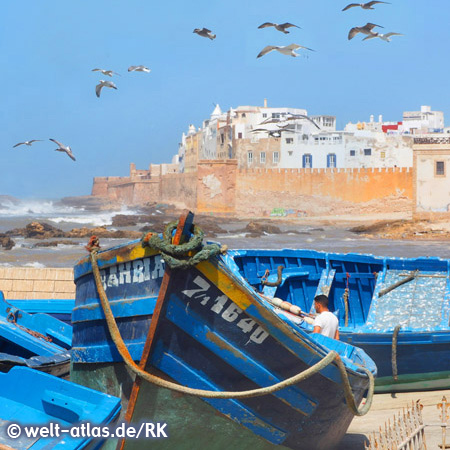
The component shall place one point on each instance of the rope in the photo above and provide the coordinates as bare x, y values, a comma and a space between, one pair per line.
178, 256
123, 350
264, 281
345, 296
394, 352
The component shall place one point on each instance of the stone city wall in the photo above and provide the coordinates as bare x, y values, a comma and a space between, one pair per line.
220, 187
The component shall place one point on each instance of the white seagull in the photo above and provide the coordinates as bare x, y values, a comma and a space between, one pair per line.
63, 148
286, 50
280, 27
288, 117
108, 73
385, 37
103, 84
368, 5
27, 142
204, 32
366, 29
139, 69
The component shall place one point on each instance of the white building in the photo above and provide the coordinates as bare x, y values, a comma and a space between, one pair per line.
423, 121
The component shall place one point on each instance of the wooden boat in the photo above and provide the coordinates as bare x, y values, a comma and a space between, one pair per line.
396, 309
38, 341
29, 397
211, 337
59, 308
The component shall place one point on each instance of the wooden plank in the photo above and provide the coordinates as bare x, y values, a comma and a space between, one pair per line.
182, 233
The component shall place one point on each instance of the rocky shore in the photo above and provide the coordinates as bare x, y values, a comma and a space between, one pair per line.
154, 218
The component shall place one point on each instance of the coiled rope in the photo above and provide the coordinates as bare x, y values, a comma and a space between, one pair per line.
181, 256
123, 350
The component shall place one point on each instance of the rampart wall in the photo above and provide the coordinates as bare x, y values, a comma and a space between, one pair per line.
218, 186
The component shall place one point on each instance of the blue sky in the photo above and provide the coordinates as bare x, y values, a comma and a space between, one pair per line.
48, 48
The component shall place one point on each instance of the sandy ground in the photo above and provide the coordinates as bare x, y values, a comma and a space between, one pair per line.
385, 406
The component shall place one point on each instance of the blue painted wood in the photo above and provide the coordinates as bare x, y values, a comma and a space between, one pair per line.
205, 340
29, 397
34, 340
424, 318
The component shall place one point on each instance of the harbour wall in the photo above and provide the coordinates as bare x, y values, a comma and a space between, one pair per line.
218, 186
24, 283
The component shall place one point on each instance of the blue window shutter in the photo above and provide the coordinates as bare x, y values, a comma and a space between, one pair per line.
328, 160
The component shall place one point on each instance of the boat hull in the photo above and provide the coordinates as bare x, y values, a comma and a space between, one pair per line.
217, 334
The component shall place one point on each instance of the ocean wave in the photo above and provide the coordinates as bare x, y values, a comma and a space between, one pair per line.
35, 265
34, 207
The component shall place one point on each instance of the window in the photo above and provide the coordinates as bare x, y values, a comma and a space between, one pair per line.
262, 157
352, 152
382, 155
250, 158
307, 161
239, 135
264, 115
331, 160
440, 168
276, 157
222, 138
289, 140
367, 151
243, 114
275, 115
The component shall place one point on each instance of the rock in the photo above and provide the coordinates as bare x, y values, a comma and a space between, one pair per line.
258, 228
37, 230
129, 220
6, 242
103, 232
52, 243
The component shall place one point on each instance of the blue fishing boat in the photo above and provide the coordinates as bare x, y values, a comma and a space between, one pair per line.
38, 341
32, 398
217, 361
58, 308
396, 309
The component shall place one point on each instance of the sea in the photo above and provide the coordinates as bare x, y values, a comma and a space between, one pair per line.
18, 213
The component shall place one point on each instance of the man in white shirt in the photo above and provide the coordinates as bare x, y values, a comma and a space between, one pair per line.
326, 322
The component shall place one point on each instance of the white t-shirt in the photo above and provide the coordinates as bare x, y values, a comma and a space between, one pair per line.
328, 323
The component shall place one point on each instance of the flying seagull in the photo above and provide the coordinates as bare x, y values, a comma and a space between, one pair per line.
139, 69
384, 37
286, 50
63, 148
27, 142
366, 29
280, 27
103, 84
204, 32
273, 133
368, 5
289, 117
108, 73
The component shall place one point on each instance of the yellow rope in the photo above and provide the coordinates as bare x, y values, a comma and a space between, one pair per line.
123, 350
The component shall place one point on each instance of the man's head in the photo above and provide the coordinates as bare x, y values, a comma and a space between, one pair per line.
321, 303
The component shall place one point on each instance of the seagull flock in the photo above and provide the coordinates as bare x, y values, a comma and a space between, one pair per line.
289, 50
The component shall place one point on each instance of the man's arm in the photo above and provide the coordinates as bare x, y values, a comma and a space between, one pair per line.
336, 335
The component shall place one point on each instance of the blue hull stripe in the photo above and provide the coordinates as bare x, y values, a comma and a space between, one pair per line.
120, 308
176, 369
192, 325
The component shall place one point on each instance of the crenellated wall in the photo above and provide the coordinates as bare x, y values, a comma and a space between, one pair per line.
218, 186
